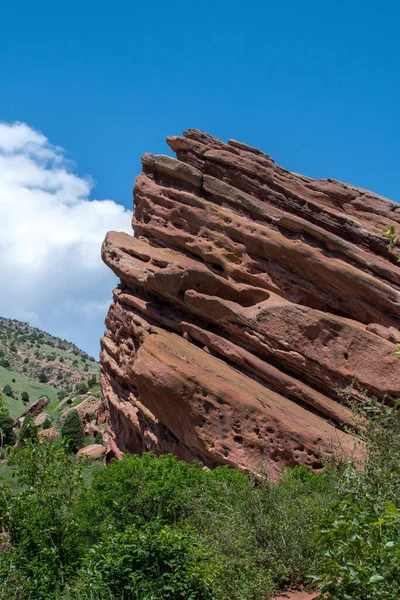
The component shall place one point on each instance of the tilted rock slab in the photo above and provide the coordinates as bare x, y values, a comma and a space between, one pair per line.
33, 410
250, 297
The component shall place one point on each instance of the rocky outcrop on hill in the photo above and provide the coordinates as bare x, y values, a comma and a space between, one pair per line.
35, 409
250, 297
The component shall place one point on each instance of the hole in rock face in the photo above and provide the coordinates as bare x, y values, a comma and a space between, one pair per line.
346, 356
217, 267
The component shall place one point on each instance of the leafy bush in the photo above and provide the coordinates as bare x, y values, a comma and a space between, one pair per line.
152, 561
7, 435
61, 394
363, 551
43, 378
45, 542
7, 390
81, 388
71, 431
361, 536
25, 397
47, 424
92, 381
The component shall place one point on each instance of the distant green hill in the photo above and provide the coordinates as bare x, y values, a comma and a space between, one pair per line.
40, 364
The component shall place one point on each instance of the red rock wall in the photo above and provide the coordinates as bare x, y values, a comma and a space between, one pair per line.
250, 297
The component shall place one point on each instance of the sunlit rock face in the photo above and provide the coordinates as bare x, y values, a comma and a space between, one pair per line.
250, 298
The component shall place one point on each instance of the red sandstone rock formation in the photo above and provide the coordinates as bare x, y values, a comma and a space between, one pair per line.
33, 410
249, 297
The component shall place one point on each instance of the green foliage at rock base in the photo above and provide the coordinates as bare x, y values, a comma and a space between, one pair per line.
361, 535
154, 527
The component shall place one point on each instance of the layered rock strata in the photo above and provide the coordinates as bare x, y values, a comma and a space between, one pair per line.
250, 298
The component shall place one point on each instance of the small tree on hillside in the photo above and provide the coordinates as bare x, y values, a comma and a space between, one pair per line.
7, 390
42, 378
92, 381
28, 432
71, 431
81, 388
25, 397
7, 434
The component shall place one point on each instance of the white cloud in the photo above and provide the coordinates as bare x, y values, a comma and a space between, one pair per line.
51, 273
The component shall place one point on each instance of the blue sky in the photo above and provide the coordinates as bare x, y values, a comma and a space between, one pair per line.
314, 84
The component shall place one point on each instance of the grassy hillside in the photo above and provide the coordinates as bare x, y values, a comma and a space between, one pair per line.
39, 356
21, 383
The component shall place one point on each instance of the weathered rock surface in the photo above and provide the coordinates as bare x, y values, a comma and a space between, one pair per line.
86, 410
93, 451
250, 297
41, 419
48, 434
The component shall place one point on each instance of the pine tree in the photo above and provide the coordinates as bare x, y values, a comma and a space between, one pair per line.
71, 431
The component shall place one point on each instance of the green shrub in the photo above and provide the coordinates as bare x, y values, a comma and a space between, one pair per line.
92, 381
7, 434
361, 535
81, 388
25, 397
153, 561
362, 552
61, 394
43, 378
7, 390
45, 546
71, 431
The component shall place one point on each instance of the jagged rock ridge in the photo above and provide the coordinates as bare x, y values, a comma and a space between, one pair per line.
250, 297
